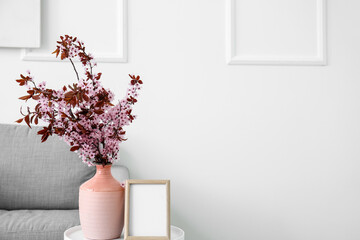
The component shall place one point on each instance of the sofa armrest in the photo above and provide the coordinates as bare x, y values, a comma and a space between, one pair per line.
120, 172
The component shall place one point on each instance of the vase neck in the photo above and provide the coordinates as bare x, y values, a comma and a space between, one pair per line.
103, 171
103, 181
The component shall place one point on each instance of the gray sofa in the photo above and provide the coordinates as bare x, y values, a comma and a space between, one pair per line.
39, 185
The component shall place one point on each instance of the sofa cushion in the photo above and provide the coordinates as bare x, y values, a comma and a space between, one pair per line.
35, 175
36, 224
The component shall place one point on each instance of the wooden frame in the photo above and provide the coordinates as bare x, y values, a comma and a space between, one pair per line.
127, 233
318, 59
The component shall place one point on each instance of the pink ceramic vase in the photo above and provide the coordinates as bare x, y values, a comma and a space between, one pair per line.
101, 205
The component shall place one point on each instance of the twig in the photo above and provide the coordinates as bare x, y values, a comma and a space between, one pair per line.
77, 75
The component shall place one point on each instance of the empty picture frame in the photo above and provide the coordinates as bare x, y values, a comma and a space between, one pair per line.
147, 210
20, 23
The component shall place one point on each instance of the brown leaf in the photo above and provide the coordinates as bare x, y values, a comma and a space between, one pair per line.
27, 120
36, 97
25, 97
64, 115
21, 82
19, 120
99, 104
74, 148
80, 126
69, 95
98, 76
37, 107
57, 51
86, 98
99, 111
44, 137
42, 131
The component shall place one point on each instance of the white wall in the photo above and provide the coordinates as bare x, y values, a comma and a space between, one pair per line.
253, 152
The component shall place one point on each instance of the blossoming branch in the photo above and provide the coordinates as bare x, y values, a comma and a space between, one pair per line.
82, 114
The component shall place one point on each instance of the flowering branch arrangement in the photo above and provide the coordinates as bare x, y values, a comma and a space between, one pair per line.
81, 114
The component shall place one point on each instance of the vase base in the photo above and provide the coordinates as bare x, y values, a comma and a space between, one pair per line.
101, 214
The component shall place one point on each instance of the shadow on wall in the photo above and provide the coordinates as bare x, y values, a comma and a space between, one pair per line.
182, 221
178, 218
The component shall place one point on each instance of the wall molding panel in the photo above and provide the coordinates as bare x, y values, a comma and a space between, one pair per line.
24, 16
304, 43
114, 45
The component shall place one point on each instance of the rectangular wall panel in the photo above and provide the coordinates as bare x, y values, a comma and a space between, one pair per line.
20, 23
102, 25
276, 32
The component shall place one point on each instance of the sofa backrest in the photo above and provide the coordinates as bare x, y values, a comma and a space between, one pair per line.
35, 175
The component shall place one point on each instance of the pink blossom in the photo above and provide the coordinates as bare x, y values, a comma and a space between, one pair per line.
82, 114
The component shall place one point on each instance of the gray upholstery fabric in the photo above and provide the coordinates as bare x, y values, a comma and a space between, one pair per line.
36, 224
35, 175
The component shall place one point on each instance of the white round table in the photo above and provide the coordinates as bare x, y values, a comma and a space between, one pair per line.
75, 233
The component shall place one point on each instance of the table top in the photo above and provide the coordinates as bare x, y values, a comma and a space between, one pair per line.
75, 233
